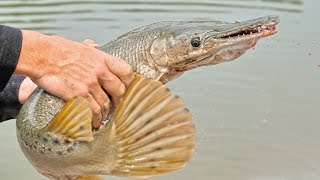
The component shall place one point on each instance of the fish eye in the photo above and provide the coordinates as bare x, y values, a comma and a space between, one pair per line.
195, 42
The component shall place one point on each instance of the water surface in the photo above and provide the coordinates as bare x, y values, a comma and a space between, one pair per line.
256, 118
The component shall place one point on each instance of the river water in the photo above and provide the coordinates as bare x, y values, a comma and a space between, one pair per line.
256, 118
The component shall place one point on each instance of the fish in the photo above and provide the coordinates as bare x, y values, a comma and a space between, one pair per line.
150, 133
57, 137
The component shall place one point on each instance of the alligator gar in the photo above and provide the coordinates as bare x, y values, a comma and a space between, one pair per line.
151, 132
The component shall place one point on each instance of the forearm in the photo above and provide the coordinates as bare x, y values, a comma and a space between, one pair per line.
36, 50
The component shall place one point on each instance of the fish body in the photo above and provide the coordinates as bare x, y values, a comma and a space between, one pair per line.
149, 133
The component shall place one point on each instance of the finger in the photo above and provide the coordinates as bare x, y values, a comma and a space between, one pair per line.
112, 84
26, 88
102, 99
96, 111
120, 68
91, 43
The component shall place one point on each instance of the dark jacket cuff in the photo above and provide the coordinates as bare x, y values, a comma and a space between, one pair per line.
9, 99
10, 48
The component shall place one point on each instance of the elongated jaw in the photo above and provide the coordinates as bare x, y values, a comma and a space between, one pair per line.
258, 31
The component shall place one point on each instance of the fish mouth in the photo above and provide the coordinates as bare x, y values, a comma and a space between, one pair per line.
256, 30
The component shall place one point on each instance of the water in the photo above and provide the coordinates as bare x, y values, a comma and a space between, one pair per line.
257, 117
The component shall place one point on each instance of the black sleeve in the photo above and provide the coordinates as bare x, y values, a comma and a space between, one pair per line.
9, 99
10, 47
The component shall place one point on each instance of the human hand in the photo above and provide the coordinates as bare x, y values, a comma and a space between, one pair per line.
28, 86
67, 69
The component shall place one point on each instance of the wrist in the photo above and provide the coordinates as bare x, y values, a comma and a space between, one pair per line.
32, 61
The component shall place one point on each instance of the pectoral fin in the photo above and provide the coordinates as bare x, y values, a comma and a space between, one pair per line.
73, 121
152, 129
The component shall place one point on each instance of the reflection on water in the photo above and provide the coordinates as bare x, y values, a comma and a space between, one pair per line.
256, 118
42, 15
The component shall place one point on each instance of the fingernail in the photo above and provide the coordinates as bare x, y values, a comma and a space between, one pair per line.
106, 108
96, 124
96, 120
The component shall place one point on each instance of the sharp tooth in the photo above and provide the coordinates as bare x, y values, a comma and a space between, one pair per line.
259, 29
263, 27
250, 32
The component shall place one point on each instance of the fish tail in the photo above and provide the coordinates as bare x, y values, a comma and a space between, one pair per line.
152, 131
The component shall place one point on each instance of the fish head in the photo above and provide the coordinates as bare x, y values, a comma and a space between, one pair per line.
185, 45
